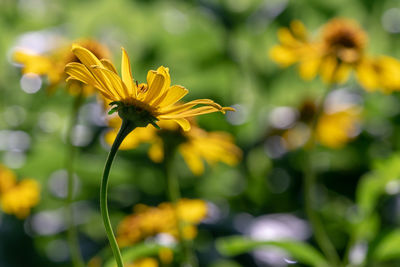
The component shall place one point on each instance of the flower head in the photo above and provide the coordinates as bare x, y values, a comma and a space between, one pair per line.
142, 103
52, 64
336, 129
344, 40
194, 145
145, 221
338, 50
379, 73
17, 197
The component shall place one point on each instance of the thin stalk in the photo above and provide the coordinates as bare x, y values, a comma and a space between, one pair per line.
73, 241
174, 194
320, 234
125, 129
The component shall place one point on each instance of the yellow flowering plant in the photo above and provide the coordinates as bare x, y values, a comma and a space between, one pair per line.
338, 50
145, 221
51, 65
138, 105
194, 145
17, 197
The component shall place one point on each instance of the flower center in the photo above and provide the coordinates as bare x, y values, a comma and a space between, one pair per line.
344, 40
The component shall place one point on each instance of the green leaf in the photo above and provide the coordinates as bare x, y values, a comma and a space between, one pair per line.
302, 252
114, 109
374, 184
387, 247
138, 251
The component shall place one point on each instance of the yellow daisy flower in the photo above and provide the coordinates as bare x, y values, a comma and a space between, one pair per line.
139, 103
145, 221
338, 51
380, 73
343, 45
145, 262
194, 145
52, 64
336, 129
295, 47
17, 198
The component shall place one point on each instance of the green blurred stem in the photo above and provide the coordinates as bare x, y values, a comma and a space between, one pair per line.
73, 241
189, 259
126, 128
310, 178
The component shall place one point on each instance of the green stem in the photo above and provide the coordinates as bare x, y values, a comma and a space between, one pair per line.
189, 259
320, 234
126, 128
73, 241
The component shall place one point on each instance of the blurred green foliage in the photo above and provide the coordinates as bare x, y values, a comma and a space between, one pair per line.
217, 49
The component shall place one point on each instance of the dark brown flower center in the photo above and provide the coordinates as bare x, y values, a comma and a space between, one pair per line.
344, 39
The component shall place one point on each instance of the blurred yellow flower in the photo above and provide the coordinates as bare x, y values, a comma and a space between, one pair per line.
157, 99
337, 51
336, 129
7, 179
194, 145
145, 221
145, 262
295, 47
380, 73
17, 198
52, 64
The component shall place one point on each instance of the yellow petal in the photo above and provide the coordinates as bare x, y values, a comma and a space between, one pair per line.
298, 29
189, 105
127, 74
192, 159
367, 76
192, 112
171, 96
33, 63
155, 87
114, 82
79, 72
90, 60
85, 56
309, 68
156, 151
108, 65
328, 67
165, 72
183, 123
286, 37
283, 56
342, 73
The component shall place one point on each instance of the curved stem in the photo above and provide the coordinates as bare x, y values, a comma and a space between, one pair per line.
174, 195
73, 240
125, 129
321, 236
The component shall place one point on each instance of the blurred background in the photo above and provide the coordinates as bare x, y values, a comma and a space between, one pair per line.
218, 49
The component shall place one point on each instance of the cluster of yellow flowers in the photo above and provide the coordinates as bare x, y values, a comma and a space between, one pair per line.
194, 145
143, 262
52, 64
17, 198
333, 129
149, 221
333, 54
